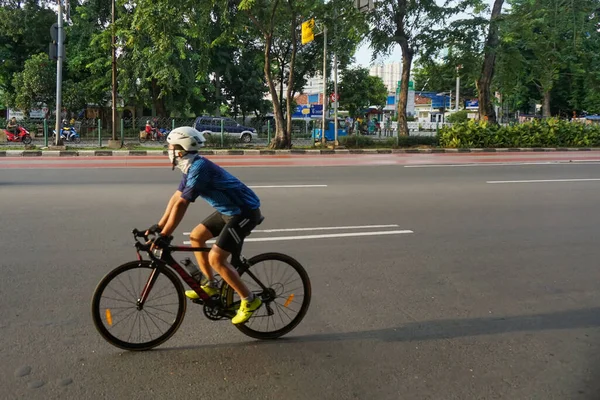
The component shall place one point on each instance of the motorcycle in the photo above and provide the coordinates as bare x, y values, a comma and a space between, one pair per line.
69, 134
23, 136
159, 135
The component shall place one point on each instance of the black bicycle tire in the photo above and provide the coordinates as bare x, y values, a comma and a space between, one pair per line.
305, 303
137, 346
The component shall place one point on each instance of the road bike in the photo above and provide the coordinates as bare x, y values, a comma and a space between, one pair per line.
141, 304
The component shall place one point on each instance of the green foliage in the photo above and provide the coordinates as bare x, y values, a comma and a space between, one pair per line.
36, 83
360, 142
356, 141
549, 132
548, 51
214, 140
458, 117
358, 90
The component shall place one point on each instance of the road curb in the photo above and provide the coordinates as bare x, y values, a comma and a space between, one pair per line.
266, 152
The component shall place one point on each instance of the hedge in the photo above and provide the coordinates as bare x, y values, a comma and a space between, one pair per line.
549, 132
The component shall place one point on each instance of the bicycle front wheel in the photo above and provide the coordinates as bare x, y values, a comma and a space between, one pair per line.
123, 321
283, 285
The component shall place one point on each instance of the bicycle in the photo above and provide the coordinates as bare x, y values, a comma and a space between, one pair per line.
283, 295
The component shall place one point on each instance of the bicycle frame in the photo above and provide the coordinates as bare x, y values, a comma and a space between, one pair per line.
166, 259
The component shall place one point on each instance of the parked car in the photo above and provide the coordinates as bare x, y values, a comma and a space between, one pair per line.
330, 131
212, 126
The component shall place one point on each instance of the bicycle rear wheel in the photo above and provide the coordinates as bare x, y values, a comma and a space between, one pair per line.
123, 323
285, 300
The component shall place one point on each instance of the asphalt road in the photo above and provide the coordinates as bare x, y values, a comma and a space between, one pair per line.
494, 296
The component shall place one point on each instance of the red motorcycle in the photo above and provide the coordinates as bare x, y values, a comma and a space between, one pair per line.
23, 136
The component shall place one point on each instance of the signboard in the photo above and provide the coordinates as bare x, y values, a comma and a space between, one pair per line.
308, 34
19, 115
305, 111
472, 104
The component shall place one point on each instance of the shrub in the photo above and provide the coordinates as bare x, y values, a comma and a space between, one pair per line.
214, 140
356, 141
458, 117
550, 132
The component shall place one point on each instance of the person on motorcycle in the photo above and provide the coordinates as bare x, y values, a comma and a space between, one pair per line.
13, 126
149, 130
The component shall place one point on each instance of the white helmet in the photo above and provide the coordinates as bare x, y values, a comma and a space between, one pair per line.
186, 137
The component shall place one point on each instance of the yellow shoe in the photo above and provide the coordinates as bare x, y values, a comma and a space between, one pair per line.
246, 310
209, 290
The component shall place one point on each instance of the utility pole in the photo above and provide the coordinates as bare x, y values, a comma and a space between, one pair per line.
60, 54
457, 86
324, 84
113, 142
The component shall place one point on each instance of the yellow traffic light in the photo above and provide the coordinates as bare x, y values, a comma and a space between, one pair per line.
307, 31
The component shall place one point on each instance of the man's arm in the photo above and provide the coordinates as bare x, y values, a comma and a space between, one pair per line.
176, 215
163, 221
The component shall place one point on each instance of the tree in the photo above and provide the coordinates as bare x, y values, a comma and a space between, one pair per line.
486, 109
24, 31
439, 75
35, 84
418, 27
544, 42
358, 90
286, 61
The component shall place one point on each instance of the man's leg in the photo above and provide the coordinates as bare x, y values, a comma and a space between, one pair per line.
218, 260
198, 238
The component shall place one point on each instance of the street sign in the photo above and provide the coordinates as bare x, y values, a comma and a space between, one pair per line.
308, 34
334, 98
54, 33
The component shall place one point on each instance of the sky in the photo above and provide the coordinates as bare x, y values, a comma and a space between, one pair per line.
363, 56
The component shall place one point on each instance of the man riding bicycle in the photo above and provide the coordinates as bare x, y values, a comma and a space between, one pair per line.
237, 213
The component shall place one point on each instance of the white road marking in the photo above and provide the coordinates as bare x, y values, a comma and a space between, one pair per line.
323, 228
489, 164
285, 186
324, 236
547, 180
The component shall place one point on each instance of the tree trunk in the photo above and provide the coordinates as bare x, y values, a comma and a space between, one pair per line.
157, 101
286, 140
486, 108
407, 57
217, 94
546, 108
279, 124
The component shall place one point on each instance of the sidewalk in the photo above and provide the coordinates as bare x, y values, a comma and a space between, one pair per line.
240, 152
315, 158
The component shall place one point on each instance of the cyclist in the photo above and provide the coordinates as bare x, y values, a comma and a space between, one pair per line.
237, 213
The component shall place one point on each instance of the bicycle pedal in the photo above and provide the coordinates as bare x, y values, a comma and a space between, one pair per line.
198, 301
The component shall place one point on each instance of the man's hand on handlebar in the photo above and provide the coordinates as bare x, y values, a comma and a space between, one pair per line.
154, 229
160, 242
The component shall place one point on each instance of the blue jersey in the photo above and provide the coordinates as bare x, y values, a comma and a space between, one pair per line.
218, 187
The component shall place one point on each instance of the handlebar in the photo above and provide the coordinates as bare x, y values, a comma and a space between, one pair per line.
144, 246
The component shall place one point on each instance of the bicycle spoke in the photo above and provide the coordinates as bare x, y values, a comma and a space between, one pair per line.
118, 312
149, 313
288, 307
133, 326
280, 307
157, 327
122, 301
126, 288
119, 294
118, 322
160, 309
147, 327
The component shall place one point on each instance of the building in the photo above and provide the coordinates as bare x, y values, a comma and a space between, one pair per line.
390, 73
